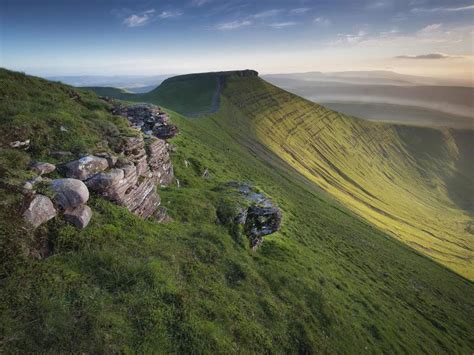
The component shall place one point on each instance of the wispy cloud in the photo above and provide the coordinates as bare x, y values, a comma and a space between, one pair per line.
431, 28
141, 19
299, 10
268, 13
427, 56
320, 20
279, 25
443, 9
379, 4
200, 3
170, 14
233, 25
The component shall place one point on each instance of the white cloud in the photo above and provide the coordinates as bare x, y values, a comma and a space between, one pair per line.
233, 25
380, 4
299, 10
320, 20
430, 28
170, 14
137, 20
279, 25
200, 3
443, 9
268, 13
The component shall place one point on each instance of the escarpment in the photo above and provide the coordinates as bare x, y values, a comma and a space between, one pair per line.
129, 176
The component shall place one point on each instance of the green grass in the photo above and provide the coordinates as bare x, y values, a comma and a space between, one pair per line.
327, 282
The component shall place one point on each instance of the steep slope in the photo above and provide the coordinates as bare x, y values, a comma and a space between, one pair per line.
411, 182
327, 282
414, 183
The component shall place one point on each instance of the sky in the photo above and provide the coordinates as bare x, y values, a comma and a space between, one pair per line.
125, 37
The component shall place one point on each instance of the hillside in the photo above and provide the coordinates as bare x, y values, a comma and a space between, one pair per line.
414, 183
326, 282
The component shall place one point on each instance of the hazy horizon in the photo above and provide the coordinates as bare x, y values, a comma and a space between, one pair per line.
416, 37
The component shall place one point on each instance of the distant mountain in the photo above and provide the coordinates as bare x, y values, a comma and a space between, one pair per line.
379, 88
137, 82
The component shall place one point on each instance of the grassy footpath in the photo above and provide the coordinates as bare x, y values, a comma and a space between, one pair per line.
327, 282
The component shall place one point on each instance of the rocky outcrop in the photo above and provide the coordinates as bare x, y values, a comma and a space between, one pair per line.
150, 119
251, 209
261, 221
69, 193
38, 210
129, 178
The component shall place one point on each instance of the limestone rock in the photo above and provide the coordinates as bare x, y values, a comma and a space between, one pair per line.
43, 168
39, 210
85, 167
70, 193
79, 216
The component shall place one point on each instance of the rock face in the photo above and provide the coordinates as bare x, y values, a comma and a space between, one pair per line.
70, 193
253, 210
261, 221
150, 119
132, 181
42, 168
85, 167
79, 216
39, 210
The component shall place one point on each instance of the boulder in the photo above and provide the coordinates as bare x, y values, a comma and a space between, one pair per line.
85, 167
111, 159
102, 181
70, 193
42, 168
250, 208
79, 216
39, 210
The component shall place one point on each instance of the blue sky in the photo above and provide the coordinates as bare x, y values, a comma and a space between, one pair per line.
47, 37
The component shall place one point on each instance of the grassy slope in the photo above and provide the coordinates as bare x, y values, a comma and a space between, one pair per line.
408, 181
328, 282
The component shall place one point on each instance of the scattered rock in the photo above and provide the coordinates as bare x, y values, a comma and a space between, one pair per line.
43, 168
261, 221
20, 144
85, 167
161, 215
79, 216
30, 184
70, 193
206, 174
60, 154
39, 210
